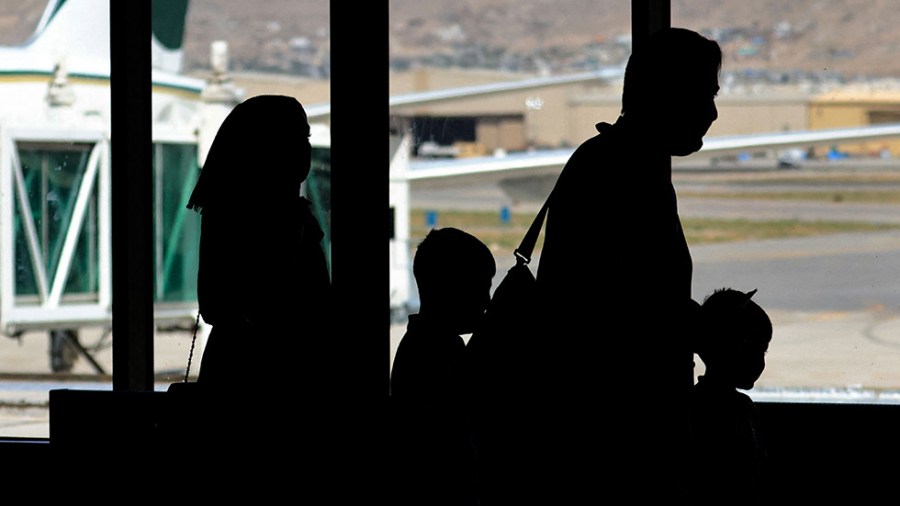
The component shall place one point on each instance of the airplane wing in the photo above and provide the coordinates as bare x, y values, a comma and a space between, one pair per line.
317, 111
486, 168
544, 163
430, 97
425, 173
733, 144
607, 74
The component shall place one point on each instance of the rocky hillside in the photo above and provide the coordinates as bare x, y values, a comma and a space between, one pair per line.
291, 36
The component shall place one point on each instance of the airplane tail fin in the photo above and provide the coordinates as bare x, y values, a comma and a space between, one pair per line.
50, 12
78, 32
169, 18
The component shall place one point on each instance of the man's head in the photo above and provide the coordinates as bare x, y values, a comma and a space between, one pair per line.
734, 337
454, 271
670, 87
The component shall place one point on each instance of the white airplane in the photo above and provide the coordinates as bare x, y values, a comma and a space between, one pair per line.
55, 176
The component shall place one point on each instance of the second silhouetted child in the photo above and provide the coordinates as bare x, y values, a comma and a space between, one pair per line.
729, 454
430, 379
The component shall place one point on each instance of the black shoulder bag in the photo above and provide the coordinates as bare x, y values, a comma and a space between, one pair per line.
505, 353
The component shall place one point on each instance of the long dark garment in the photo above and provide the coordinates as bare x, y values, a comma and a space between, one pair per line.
615, 277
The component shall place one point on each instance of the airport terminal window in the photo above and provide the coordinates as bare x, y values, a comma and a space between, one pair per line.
816, 87
318, 191
813, 228
54, 159
177, 232
455, 47
283, 50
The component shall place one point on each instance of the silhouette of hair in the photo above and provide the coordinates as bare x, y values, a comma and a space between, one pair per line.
448, 255
730, 320
672, 59
247, 156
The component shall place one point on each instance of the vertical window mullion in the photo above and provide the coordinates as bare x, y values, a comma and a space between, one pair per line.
132, 205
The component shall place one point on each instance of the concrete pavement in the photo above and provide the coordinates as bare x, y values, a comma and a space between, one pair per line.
829, 356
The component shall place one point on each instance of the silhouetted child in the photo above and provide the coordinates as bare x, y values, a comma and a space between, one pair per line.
432, 448
728, 450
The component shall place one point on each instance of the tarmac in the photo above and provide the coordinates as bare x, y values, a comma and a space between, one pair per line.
833, 356
26, 377
814, 356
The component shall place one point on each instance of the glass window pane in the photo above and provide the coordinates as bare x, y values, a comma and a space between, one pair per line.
54, 262
811, 226
318, 189
231, 52
178, 236
57, 93
478, 104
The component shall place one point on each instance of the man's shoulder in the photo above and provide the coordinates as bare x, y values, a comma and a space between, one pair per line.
588, 164
597, 143
608, 145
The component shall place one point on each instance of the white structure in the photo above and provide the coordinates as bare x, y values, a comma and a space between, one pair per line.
55, 251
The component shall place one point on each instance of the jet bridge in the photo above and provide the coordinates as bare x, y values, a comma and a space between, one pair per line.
55, 249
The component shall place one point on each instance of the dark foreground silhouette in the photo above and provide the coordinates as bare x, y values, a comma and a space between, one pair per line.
609, 417
729, 453
264, 287
432, 447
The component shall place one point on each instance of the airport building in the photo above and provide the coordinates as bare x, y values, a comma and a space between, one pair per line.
564, 115
858, 106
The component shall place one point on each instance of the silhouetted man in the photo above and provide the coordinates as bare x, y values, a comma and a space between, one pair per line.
615, 277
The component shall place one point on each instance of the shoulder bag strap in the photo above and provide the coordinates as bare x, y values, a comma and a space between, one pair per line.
526, 247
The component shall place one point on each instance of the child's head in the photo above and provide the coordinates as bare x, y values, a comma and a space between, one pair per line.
454, 271
734, 336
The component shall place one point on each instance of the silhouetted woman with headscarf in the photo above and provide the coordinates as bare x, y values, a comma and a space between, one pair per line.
263, 281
